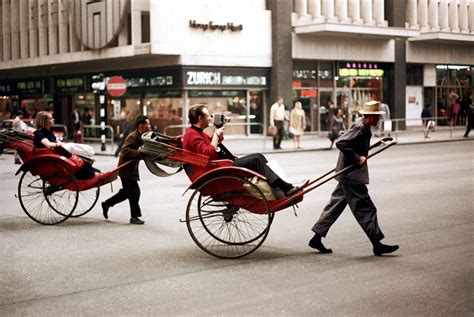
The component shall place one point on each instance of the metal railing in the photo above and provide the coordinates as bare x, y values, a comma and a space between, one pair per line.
446, 124
92, 134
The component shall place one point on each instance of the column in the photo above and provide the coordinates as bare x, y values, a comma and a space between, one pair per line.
123, 35
6, 22
463, 16
136, 25
328, 11
43, 27
443, 16
341, 11
33, 28
74, 42
366, 12
433, 15
471, 16
453, 16
63, 21
314, 9
24, 40
354, 11
301, 8
423, 15
53, 32
411, 14
15, 29
379, 13
1, 31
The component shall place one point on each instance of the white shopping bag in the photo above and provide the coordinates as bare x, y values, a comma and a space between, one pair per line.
387, 126
273, 164
80, 149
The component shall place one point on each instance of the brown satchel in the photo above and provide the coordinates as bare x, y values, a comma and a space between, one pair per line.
272, 130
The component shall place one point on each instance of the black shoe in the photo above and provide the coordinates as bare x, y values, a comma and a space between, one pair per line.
380, 249
316, 243
105, 210
296, 189
136, 221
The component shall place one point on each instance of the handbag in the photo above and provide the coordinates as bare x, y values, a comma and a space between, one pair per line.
291, 132
272, 131
387, 126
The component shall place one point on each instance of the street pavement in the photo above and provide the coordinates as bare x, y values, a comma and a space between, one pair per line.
90, 266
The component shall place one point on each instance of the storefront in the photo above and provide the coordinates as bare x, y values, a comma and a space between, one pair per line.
35, 95
323, 86
8, 99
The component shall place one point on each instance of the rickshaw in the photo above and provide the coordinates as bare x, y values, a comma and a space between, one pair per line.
49, 191
231, 208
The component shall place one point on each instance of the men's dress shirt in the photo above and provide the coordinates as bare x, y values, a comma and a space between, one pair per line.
130, 152
195, 140
353, 144
277, 113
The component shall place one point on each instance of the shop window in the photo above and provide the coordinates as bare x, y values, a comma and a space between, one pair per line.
441, 75
326, 74
414, 75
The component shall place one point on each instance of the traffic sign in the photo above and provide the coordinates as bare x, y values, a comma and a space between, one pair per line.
116, 86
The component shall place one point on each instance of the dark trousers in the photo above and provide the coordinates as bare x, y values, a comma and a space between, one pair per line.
279, 135
357, 196
131, 191
257, 163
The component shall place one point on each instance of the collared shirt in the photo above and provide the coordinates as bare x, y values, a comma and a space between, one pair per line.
353, 144
277, 113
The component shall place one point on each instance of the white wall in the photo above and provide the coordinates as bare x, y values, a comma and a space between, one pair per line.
414, 105
171, 33
440, 53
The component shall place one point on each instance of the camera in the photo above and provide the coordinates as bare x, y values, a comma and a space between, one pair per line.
219, 119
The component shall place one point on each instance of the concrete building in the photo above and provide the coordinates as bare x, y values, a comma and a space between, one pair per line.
237, 56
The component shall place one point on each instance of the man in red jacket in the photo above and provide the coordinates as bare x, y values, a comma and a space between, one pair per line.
195, 140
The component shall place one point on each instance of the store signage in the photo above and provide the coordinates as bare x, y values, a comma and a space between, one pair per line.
304, 74
201, 78
361, 70
161, 81
5, 89
116, 86
71, 84
214, 27
309, 93
30, 87
216, 93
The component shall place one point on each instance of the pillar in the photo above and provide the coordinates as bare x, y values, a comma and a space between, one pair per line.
411, 14
63, 21
379, 13
1, 31
15, 29
341, 11
301, 8
33, 28
137, 24
328, 11
443, 15
53, 27
6, 23
423, 15
366, 12
463, 16
24, 40
43, 27
453, 16
433, 15
354, 11
471, 16
314, 9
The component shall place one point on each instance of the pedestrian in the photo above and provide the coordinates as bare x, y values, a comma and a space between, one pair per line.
125, 128
297, 124
197, 141
277, 118
427, 118
18, 125
129, 175
337, 125
352, 186
470, 120
455, 109
76, 125
383, 120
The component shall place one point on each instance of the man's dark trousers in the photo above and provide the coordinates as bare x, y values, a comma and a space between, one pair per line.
364, 210
257, 163
279, 136
131, 191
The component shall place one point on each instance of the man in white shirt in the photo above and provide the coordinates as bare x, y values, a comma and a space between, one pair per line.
277, 116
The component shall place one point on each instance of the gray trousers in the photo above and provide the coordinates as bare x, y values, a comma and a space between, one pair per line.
358, 199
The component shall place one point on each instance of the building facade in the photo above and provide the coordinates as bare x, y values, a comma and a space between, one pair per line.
236, 56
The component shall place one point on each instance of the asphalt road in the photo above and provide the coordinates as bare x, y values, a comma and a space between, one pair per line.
89, 266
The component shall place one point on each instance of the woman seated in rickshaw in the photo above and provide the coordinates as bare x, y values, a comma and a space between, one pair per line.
45, 138
195, 140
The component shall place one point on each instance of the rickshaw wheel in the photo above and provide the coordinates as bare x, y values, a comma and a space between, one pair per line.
49, 198
87, 200
225, 229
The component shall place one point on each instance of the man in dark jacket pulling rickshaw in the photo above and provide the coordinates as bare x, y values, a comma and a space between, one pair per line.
129, 175
352, 187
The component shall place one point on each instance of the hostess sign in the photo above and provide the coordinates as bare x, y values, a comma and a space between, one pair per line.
360, 70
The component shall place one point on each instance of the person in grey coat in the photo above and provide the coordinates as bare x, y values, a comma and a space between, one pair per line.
352, 186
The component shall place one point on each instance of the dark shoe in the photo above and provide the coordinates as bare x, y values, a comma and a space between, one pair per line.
296, 189
136, 221
380, 249
316, 243
105, 210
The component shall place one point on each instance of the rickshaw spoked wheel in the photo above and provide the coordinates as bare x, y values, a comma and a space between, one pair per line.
223, 225
87, 200
50, 197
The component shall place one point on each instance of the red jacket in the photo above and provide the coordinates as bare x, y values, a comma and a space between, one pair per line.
195, 140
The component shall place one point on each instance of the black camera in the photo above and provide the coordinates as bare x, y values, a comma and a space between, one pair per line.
218, 120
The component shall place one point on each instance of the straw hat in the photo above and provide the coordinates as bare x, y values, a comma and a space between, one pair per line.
371, 107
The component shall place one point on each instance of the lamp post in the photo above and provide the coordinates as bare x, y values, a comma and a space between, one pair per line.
98, 87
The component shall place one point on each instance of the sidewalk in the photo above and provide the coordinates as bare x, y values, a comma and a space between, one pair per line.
314, 142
